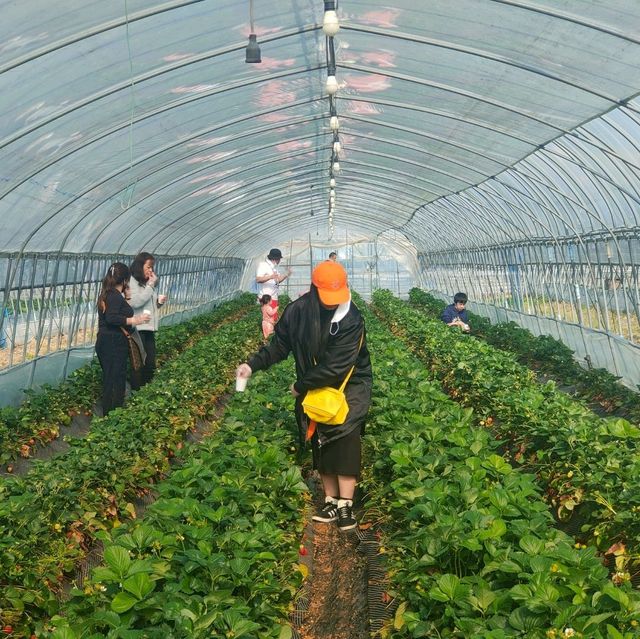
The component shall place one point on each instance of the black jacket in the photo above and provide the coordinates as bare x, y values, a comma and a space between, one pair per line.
340, 355
115, 314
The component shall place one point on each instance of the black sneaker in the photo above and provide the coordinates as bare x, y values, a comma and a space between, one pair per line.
327, 514
346, 520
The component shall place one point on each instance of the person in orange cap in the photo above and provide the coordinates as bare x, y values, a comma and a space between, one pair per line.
326, 334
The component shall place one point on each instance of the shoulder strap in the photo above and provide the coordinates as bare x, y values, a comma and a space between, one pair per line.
346, 379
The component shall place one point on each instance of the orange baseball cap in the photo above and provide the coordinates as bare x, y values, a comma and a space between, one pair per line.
330, 279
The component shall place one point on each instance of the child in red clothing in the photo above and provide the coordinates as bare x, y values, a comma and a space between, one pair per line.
269, 315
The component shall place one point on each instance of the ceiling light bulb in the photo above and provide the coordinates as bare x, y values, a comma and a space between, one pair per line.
334, 123
331, 85
332, 182
330, 24
332, 193
336, 167
337, 146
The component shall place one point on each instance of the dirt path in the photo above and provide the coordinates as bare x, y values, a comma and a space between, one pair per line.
334, 601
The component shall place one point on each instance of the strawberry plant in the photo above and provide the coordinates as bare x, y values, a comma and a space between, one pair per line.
587, 465
470, 546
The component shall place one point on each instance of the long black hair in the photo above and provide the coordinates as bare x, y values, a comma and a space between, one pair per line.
117, 274
137, 267
310, 330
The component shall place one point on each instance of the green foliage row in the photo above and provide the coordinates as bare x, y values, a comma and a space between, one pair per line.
40, 417
548, 355
471, 548
216, 554
49, 518
589, 466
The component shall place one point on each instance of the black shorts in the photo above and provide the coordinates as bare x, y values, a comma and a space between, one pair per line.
339, 457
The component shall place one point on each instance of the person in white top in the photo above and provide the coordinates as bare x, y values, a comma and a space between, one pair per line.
269, 278
145, 299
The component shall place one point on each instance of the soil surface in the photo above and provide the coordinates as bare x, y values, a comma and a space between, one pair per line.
337, 589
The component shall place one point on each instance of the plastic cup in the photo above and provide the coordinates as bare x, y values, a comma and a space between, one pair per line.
146, 313
241, 384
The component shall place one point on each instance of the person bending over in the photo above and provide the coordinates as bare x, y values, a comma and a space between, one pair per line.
455, 314
326, 334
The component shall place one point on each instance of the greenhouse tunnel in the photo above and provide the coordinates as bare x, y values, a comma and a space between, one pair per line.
485, 146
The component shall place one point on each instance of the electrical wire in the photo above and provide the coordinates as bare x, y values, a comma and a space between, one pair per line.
130, 190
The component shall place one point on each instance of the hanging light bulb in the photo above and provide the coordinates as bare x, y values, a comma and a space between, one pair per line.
332, 193
332, 183
337, 146
330, 23
334, 123
336, 167
332, 85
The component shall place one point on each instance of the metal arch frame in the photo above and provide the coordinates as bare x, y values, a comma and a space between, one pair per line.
193, 98
562, 15
245, 213
302, 202
601, 175
477, 53
590, 170
315, 166
167, 147
443, 114
304, 121
209, 167
558, 169
458, 219
384, 174
249, 223
122, 86
301, 120
490, 206
184, 176
89, 33
518, 194
573, 190
420, 134
623, 181
449, 89
122, 171
158, 110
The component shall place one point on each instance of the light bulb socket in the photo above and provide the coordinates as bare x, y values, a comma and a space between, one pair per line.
331, 85
329, 5
332, 182
337, 147
336, 167
253, 50
334, 123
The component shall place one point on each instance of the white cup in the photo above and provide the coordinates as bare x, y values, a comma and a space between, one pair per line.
241, 383
147, 313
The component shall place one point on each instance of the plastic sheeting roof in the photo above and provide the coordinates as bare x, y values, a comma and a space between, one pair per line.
136, 124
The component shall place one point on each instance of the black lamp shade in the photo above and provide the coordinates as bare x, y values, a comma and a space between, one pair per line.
253, 50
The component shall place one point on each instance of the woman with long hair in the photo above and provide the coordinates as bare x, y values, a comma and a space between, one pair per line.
326, 333
145, 299
114, 314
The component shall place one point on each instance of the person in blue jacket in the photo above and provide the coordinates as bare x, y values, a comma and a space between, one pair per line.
455, 314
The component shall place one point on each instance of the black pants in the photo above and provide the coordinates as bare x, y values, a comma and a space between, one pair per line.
145, 374
113, 354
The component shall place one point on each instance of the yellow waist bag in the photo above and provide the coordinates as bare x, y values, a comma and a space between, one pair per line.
328, 405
